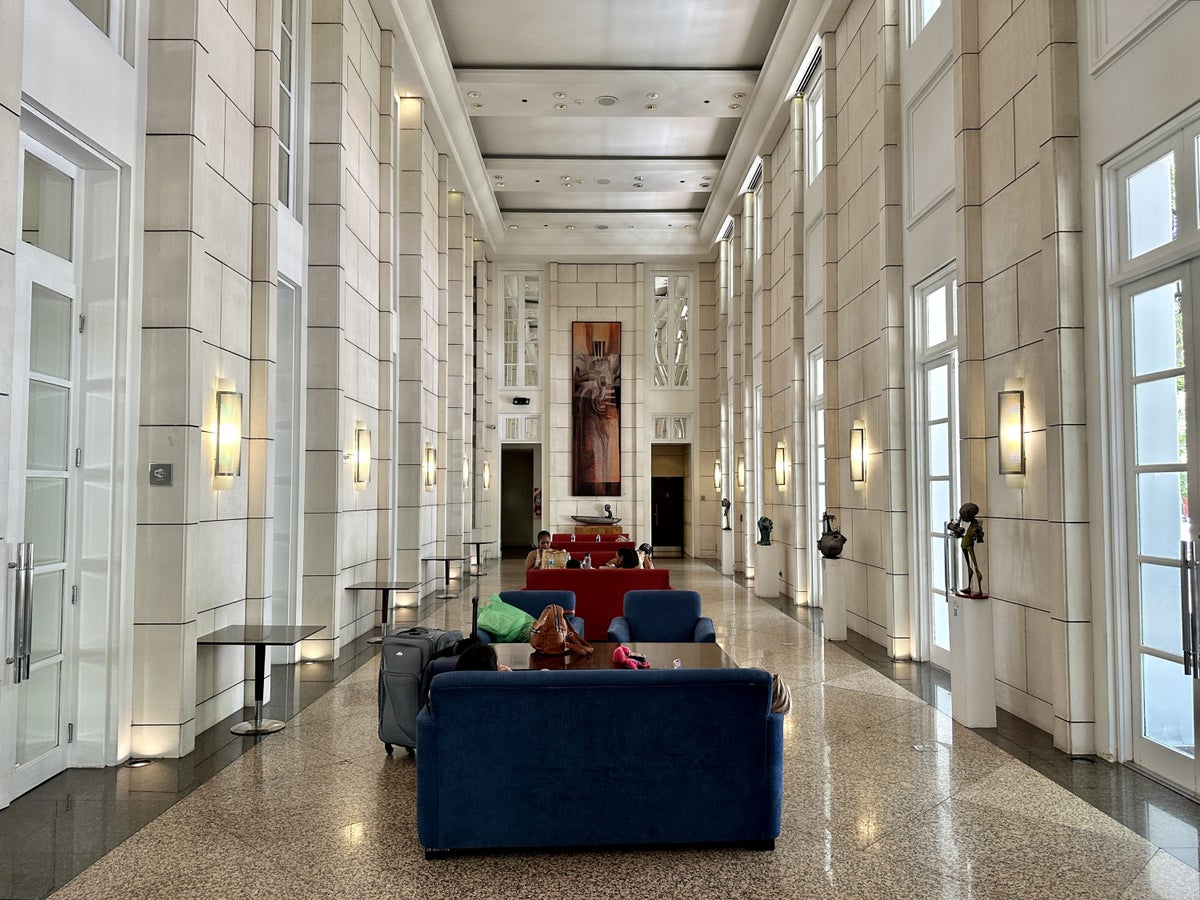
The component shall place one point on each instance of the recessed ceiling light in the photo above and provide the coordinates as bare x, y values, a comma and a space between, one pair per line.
560, 106
650, 106
579, 101
690, 227
638, 184
566, 177
600, 227
476, 106
607, 100
739, 95
498, 177
513, 227
474, 95
560, 95
638, 178
567, 184
735, 106
632, 226
500, 184
570, 228
653, 95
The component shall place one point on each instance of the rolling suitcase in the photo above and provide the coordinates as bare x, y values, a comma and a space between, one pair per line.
403, 658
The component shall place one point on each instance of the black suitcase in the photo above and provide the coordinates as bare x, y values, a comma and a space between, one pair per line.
402, 661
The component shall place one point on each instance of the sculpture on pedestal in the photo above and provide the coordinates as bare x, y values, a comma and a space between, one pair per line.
725, 504
832, 540
969, 531
765, 526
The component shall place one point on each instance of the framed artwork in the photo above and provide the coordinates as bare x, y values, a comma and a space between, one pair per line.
596, 409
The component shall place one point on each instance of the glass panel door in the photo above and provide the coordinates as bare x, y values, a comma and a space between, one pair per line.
1160, 361
43, 462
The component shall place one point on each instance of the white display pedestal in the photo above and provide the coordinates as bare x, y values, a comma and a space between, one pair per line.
833, 599
972, 661
727, 551
766, 570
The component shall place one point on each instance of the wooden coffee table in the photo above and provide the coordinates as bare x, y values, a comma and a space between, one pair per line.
660, 656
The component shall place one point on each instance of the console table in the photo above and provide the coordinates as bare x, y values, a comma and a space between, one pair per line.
261, 636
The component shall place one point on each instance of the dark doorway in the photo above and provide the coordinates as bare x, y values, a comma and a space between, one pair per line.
666, 513
518, 524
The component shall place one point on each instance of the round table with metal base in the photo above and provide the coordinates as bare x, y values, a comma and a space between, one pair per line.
446, 593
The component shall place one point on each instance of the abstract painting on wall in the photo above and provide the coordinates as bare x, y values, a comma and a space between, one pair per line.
596, 409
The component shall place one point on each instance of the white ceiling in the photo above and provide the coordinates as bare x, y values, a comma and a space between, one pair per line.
604, 96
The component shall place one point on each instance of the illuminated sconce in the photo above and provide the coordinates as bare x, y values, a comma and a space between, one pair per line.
430, 465
780, 466
858, 455
717, 474
1012, 432
229, 433
362, 455
741, 471
487, 475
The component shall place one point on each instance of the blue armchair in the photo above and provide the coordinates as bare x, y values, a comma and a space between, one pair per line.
662, 616
533, 602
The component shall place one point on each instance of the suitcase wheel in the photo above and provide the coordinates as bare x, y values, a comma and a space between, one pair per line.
387, 748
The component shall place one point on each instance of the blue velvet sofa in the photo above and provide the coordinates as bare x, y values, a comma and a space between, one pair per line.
599, 757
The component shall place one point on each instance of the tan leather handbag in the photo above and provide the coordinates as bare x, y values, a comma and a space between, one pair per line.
553, 635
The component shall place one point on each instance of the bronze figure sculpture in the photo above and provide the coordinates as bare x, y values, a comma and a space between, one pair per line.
969, 530
764, 530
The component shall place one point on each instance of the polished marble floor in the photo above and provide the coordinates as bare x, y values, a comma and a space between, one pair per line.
885, 796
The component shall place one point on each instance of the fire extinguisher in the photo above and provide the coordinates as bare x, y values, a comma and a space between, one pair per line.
537, 502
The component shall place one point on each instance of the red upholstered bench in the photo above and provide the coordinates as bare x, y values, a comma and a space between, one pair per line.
599, 593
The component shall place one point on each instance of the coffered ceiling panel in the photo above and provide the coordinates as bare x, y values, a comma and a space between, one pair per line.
604, 126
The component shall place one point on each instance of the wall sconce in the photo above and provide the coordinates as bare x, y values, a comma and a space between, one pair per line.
362, 455
430, 465
741, 471
717, 475
780, 466
1012, 432
229, 433
858, 455
487, 475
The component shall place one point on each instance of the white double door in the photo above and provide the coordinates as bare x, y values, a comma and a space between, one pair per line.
1161, 337
37, 686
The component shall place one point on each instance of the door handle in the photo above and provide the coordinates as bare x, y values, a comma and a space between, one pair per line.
22, 624
1187, 605
1193, 621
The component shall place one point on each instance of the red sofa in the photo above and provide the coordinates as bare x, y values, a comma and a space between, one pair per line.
599, 593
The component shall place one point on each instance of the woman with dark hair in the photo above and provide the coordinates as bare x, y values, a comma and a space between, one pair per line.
626, 558
479, 658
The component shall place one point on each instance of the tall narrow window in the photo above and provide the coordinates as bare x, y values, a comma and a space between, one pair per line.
814, 128
935, 317
287, 87
522, 315
671, 335
919, 13
99, 12
816, 453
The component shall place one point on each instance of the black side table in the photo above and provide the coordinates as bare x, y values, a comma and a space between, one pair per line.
385, 588
261, 636
445, 594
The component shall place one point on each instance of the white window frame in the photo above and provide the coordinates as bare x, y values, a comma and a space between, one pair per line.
915, 23
519, 379
672, 328
814, 129
288, 139
817, 487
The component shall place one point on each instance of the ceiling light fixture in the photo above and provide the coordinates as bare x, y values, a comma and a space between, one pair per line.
650, 106
566, 177
638, 178
603, 181
560, 106
513, 227
474, 95
735, 106
739, 95
579, 101
560, 95
476, 106
638, 184
607, 100
653, 95
600, 227
570, 228
501, 184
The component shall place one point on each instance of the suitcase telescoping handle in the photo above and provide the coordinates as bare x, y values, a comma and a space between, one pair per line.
475, 617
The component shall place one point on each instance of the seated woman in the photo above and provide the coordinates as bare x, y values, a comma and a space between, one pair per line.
534, 559
646, 555
626, 558
479, 658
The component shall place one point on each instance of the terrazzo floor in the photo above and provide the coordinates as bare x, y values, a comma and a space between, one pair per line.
884, 796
